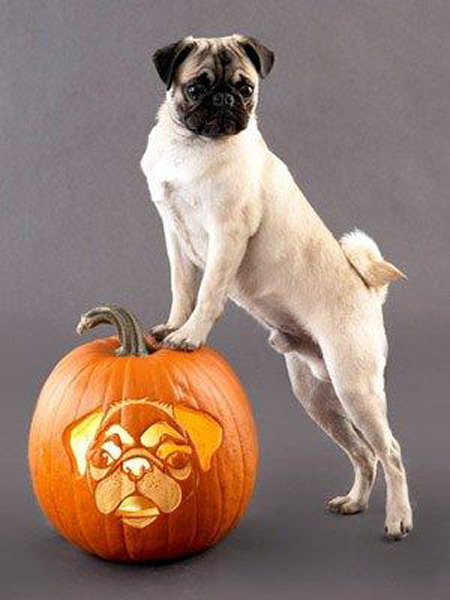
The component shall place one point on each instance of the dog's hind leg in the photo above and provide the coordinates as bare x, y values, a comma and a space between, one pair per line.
356, 361
321, 403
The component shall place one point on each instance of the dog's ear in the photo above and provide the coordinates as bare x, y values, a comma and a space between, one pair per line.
79, 436
168, 59
261, 57
205, 432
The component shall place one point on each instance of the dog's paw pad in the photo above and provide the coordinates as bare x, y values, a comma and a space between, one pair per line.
345, 505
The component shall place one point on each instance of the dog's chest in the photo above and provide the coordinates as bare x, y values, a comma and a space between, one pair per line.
186, 184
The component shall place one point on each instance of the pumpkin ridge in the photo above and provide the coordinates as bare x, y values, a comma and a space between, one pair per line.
245, 465
124, 394
218, 360
169, 519
95, 370
195, 403
220, 470
37, 426
231, 412
250, 424
51, 453
193, 396
113, 366
171, 378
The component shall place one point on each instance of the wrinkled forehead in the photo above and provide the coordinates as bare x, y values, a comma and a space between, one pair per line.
131, 422
222, 58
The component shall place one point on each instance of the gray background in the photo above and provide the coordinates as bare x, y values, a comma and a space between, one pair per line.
358, 106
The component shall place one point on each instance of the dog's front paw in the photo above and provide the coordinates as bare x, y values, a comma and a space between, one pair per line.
183, 339
159, 332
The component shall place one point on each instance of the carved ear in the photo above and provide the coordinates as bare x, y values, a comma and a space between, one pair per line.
168, 59
205, 432
79, 436
261, 57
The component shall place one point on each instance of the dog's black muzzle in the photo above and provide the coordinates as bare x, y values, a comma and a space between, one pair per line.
220, 113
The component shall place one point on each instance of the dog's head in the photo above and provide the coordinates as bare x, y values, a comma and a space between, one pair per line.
142, 458
212, 83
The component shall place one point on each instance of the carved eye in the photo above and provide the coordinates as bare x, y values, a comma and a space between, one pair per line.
101, 459
246, 90
177, 460
108, 453
179, 465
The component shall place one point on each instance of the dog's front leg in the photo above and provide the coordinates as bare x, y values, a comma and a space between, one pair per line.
183, 284
226, 248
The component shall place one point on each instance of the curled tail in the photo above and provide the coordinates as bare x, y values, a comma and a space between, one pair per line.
365, 256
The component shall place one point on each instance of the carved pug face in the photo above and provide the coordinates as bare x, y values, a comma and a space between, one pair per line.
142, 458
212, 83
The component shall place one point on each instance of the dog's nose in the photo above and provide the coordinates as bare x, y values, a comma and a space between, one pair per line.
223, 99
136, 467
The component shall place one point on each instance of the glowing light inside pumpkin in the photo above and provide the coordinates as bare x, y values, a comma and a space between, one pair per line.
140, 477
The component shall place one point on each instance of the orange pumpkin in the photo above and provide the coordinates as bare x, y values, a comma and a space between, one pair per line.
138, 453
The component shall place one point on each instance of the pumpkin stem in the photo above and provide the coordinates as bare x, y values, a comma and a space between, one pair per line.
129, 329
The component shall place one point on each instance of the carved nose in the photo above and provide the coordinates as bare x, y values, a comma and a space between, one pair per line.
223, 99
136, 467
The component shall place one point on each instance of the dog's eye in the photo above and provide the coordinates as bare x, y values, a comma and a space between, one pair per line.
195, 91
246, 90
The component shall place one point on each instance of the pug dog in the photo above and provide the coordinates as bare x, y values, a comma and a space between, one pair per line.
142, 458
237, 226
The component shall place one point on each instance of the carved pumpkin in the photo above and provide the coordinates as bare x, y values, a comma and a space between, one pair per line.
138, 453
